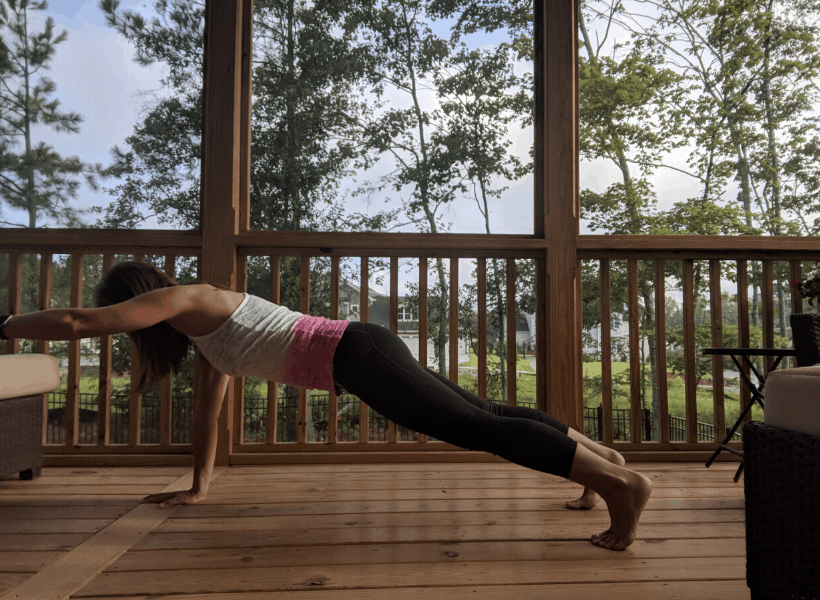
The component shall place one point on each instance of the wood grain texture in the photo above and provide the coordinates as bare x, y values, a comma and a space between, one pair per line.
74, 569
376, 531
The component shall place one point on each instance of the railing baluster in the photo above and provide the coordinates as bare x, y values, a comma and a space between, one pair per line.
795, 275
106, 381
606, 354
72, 406
767, 291
392, 436
481, 274
167, 383
44, 303
660, 348
635, 427
364, 316
304, 308
15, 295
512, 349
743, 325
135, 399
273, 386
423, 321
717, 342
453, 332
333, 400
239, 382
689, 357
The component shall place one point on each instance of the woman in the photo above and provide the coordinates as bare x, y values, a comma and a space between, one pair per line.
239, 334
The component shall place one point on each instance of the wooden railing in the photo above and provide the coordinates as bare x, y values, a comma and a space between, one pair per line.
680, 254
599, 251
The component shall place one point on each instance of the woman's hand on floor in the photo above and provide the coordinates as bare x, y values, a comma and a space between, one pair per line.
169, 499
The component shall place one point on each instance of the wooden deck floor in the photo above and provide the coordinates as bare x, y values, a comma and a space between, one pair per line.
365, 532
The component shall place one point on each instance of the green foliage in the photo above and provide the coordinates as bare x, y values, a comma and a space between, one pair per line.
34, 177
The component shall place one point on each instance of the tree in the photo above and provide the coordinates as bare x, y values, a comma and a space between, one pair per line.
403, 54
480, 97
34, 177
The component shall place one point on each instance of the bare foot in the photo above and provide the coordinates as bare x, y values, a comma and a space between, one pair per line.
625, 506
589, 497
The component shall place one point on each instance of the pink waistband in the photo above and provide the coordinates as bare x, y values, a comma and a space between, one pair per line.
309, 363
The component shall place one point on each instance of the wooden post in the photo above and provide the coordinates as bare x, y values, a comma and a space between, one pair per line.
15, 295
557, 204
221, 165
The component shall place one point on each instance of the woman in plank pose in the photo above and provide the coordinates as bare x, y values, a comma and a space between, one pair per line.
239, 334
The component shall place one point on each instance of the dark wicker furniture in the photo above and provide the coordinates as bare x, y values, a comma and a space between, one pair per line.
21, 436
782, 482
806, 337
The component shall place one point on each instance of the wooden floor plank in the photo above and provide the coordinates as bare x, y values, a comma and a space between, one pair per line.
63, 512
667, 590
519, 551
367, 532
440, 519
53, 525
74, 569
26, 562
210, 509
394, 575
388, 535
254, 495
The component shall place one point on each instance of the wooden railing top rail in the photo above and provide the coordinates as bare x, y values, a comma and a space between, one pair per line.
311, 243
696, 246
101, 241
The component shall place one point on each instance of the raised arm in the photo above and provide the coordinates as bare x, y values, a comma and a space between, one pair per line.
209, 390
76, 323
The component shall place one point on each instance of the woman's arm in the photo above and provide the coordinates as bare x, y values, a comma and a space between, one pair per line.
76, 323
209, 390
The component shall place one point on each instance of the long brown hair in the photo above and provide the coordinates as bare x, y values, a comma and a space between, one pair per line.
161, 348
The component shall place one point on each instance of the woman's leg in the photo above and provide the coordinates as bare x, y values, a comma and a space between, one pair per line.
589, 497
374, 364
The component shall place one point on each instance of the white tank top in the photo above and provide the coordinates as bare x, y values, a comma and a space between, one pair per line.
263, 339
255, 340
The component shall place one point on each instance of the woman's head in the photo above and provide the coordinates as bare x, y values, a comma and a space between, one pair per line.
161, 347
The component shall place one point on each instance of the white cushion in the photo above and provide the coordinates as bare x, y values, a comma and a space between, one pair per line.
792, 399
27, 375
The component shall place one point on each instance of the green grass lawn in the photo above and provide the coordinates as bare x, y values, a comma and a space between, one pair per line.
676, 392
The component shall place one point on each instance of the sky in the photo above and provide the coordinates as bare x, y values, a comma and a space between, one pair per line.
96, 76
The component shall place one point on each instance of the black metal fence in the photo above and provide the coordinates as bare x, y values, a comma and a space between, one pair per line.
256, 410
181, 419
621, 422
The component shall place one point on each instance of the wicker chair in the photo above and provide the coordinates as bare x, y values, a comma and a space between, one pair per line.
806, 337
23, 381
782, 514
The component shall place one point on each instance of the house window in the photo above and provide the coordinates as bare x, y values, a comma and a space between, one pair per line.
405, 314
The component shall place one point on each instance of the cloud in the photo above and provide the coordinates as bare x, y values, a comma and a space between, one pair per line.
96, 77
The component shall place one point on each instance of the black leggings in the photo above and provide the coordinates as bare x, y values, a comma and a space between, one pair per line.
374, 364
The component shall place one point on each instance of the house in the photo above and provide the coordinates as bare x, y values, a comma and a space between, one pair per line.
408, 321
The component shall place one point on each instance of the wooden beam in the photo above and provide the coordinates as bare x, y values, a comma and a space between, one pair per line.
105, 376
556, 158
716, 306
660, 348
15, 297
606, 432
221, 172
44, 303
635, 428
512, 349
72, 396
690, 372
